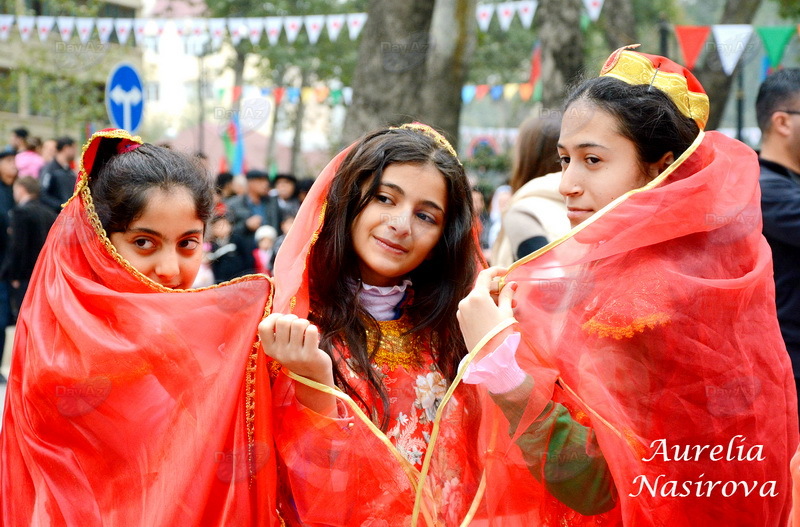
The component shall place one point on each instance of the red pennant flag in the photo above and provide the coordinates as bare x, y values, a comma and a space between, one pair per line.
480, 91
278, 94
691, 40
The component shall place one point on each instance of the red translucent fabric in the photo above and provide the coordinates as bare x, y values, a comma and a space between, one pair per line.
129, 403
654, 325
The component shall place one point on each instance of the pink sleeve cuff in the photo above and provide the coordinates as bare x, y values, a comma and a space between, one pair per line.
498, 371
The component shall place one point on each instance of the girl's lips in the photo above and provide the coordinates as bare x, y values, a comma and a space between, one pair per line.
397, 249
574, 214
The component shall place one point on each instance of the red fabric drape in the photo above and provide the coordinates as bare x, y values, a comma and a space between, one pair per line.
129, 403
654, 324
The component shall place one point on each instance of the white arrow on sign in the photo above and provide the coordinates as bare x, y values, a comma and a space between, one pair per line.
126, 99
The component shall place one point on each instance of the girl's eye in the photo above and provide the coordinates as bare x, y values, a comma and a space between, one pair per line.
382, 198
189, 244
143, 243
424, 216
564, 160
592, 160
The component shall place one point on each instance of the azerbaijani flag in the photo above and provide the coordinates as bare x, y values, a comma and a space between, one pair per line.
234, 145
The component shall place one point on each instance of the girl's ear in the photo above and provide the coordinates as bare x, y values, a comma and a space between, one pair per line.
661, 165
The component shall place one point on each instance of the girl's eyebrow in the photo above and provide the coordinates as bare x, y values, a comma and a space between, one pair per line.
584, 145
400, 191
145, 230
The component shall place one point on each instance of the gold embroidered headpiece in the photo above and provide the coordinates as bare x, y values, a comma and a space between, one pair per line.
426, 130
673, 79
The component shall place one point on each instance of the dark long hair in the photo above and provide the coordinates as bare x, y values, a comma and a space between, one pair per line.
439, 282
645, 115
119, 183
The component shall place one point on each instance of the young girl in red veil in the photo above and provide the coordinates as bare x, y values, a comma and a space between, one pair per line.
364, 325
640, 378
131, 399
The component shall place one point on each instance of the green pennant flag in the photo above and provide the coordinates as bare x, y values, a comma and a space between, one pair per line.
775, 39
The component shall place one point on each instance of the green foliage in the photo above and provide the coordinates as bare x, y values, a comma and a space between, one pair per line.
502, 56
485, 159
789, 8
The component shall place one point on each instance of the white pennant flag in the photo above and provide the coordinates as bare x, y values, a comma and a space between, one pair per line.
216, 26
44, 26
200, 28
123, 28
25, 26
5, 26
314, 25
484, 14
161, 23
731, 42
184, 27
66, 25
292, 25
355, 23
237, 30
505, 14
273, 25
84, 27
255, 26
334, 24
139, 28
104, 28
525, 11
593, 7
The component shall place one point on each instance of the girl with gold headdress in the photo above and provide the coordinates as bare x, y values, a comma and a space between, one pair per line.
131, 397
635, 367
367, 286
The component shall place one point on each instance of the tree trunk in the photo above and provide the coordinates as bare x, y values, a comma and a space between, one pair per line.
618, 24
452, 41
297, 140
710, 74
391, 67
562, 48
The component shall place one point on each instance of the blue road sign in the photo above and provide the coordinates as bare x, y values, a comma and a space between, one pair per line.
125, 97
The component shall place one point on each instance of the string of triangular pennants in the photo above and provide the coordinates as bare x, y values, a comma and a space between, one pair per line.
252, 28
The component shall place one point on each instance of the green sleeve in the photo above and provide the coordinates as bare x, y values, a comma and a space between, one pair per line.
562, 454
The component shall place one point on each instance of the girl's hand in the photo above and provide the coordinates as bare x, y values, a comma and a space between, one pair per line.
484, 308
294, 342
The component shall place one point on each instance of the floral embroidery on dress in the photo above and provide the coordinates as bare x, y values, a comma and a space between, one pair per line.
414, 386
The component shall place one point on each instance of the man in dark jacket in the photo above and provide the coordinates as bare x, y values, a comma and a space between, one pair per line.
8, 174
778, 114
57, 177
29, 223
254, 208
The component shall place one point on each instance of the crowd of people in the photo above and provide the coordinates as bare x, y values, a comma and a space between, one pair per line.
342, 353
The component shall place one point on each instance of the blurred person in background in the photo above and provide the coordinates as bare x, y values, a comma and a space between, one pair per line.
536, 214
57, 177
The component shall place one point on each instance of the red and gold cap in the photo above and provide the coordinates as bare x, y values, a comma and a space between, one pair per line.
673, 79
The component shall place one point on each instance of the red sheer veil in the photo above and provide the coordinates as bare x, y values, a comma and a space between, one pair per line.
654, 324
130, 403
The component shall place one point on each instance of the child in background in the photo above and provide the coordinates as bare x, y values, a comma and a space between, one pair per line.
264, 255
228, 256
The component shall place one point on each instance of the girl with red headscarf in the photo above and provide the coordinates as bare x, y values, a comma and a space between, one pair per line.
367, 286
131, 399
635, 368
